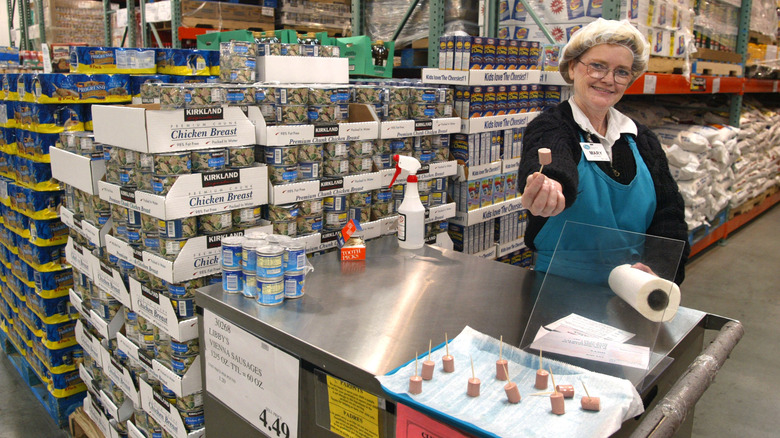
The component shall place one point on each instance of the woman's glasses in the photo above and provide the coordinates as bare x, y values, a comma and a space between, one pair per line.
597, 70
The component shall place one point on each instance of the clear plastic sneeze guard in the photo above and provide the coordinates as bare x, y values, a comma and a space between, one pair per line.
604, 300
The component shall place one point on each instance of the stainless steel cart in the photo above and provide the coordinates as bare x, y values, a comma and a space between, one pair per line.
366, 318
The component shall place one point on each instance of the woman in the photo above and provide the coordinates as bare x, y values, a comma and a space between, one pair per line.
632, 189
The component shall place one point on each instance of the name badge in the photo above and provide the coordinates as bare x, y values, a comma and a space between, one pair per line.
594, 151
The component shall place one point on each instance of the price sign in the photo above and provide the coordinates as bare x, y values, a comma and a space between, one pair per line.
650, 84
253, 378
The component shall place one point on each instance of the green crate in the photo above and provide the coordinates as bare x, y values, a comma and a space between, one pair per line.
210, 41
326, 40
358, 51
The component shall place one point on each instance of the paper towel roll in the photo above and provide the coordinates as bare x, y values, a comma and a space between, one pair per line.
655, 298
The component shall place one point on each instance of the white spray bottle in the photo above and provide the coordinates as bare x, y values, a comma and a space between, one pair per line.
411, 221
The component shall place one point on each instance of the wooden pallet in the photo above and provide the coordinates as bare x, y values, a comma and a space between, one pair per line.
228, 24
712, 68
658, 64
752, 203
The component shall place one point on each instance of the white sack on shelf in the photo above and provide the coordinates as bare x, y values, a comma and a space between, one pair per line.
682, 136
688, 172
679, 158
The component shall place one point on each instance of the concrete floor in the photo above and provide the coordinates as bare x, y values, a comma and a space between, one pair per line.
737, 279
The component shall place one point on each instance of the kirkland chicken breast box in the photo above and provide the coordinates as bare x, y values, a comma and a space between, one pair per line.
146, 128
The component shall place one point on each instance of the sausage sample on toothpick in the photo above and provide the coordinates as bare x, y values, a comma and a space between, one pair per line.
556, 399
541, 375
428, 365
474, 383
415, 382
502, 365
447, 361
590, 403
511, 389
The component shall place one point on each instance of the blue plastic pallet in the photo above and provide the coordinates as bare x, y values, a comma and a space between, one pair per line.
58, 408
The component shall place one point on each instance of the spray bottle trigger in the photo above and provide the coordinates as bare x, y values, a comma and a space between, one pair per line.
397, 170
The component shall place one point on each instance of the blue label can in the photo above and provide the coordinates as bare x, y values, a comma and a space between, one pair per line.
231, 252
270, 291
250, 284
294, 284
269, 261
233, 281
184, 307
249, 254
294, 258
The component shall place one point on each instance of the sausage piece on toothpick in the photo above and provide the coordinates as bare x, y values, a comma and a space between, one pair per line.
474, 383
590, 403
428, 365
512, 392
502, 365
545, 157
541, 375
447, 361
415, 382
556, 399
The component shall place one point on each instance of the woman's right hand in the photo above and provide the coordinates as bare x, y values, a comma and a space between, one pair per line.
543, 196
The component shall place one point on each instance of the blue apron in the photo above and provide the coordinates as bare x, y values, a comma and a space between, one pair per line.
588, 253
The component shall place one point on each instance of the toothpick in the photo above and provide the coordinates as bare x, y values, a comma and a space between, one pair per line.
541, 168
506, 370
446, 344
415, 364
429, 349
500, 347
473, 375
555, 390
586, 388
542, 393
540, 360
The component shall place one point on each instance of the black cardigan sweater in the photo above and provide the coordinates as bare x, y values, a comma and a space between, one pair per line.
556, 130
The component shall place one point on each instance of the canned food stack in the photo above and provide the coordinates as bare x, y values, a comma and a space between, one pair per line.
405, 100
35, 276
156, 173
264, 268
237, 62
433, 192
147, 88
317, 104
307, 45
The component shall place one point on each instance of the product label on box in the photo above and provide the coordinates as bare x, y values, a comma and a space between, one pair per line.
253, 378
127, 195
199, 114
423, 125
326, 130
222, 178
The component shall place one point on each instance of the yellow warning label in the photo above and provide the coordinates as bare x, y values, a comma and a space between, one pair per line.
354, 413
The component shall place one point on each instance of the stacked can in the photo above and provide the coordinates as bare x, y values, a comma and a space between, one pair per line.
382, 205
383, 154
182, 296
309, 217
183, 353
232, 274
361, 156
294, 264
328, 104
190, 407
240, 95
397, 100
173, 234
265, 99
248, 217
284, 219
336, 159
422, 149
251, 243
440, 146
201, 95
359, 207
282, 163
372, 96
335, 214
237, 61
292, 105
270, 275
438, 192
310, 161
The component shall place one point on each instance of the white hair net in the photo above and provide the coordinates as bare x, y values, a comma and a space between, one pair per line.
603, 31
